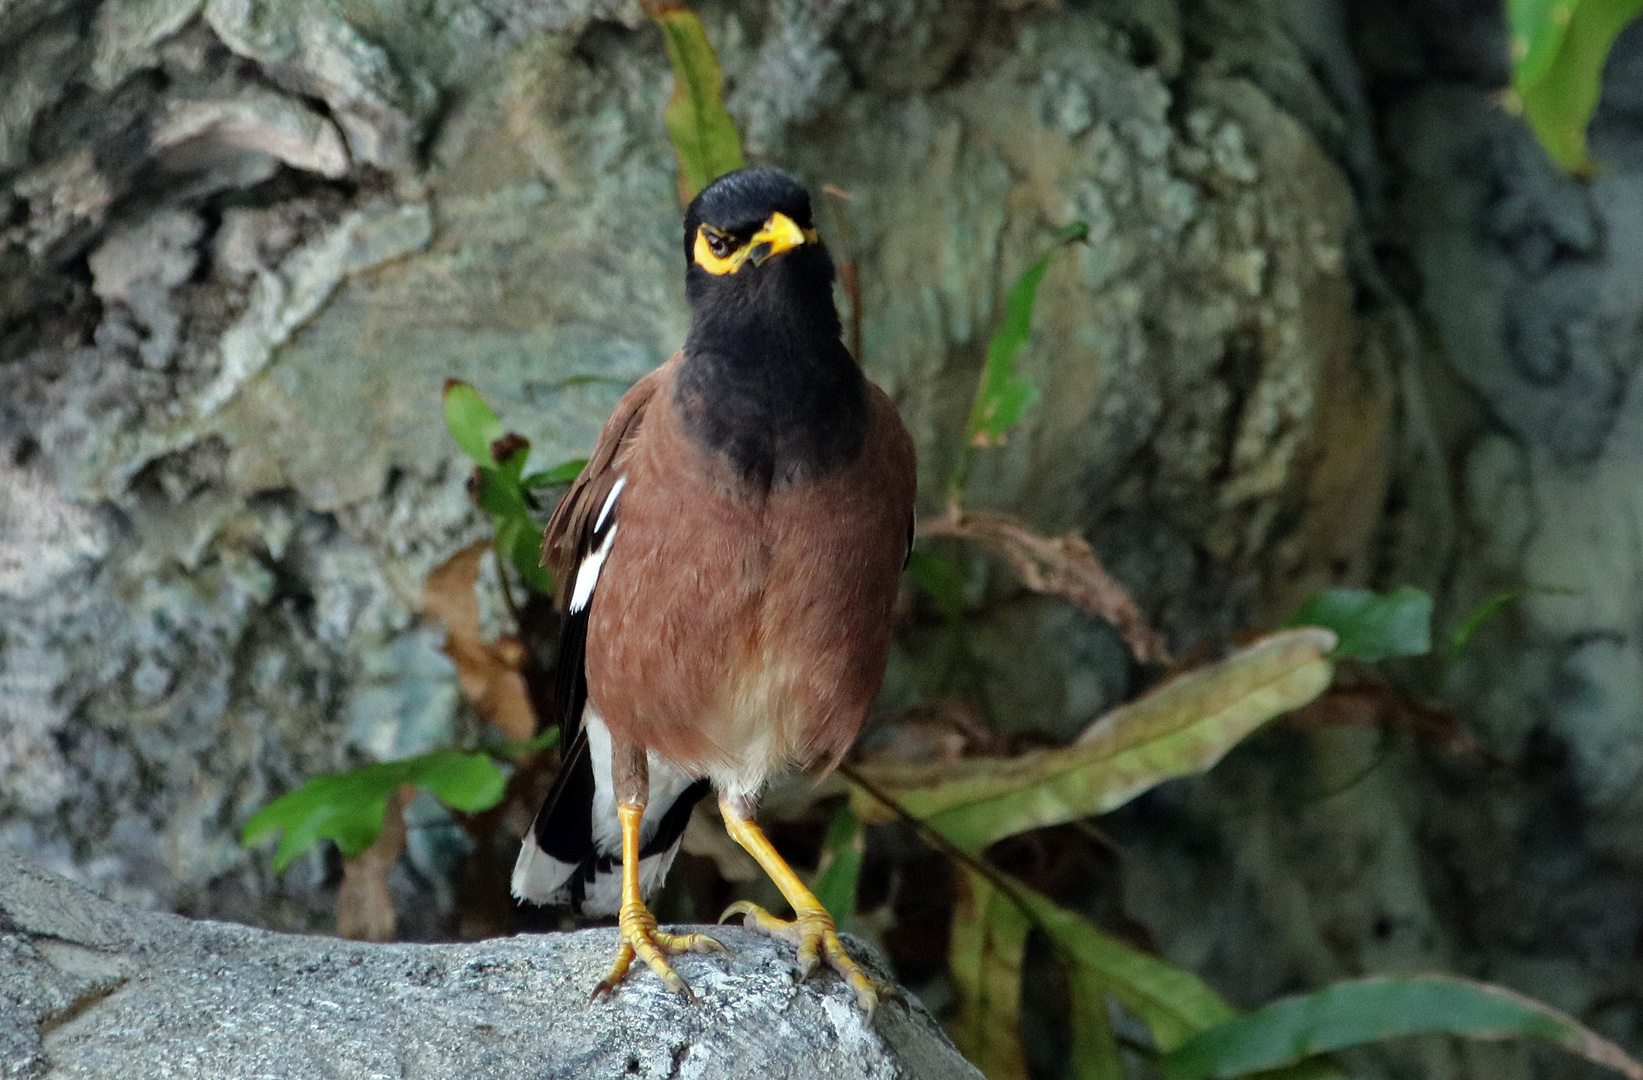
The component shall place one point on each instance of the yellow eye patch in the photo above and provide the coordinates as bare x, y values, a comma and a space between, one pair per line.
775, 236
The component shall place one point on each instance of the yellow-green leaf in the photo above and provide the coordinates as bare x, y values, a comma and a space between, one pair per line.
1173, 1003
704, 137
840, 869
1538, 28
1095, 1054
1183, 727
472, 423
989, 938
1559, 94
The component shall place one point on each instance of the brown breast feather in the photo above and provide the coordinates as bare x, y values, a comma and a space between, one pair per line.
737, 632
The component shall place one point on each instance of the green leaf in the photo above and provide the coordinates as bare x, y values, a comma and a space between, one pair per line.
559, 474
513, 751
1478, 618
1095, 1054
1561, 76
472, 423
1003, 395
940, 578
519, 539
510, 453
348, 808
466, 782
1372, 627
704, 137
500, 495
989, 939
840, 867
1369, 1010
1174, 1004
1185, 726
1538, 28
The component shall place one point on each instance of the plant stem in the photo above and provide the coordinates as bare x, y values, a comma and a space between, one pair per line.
507, 590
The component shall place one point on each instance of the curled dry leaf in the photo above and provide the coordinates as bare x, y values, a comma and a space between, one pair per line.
489, 672
365, 909
1058, 565
1378, 704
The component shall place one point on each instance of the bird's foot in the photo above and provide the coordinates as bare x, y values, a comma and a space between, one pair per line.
642, 938
812, 932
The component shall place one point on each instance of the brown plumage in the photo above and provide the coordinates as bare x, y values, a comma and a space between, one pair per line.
735, 631
728, 560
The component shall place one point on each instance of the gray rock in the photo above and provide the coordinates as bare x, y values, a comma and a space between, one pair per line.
91, 989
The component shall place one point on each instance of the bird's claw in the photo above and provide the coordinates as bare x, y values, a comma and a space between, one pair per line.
643, 939
813, 934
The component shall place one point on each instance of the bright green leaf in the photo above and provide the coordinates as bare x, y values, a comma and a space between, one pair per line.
467, 782
500, 495
1004, 395
989, 939
1369, 1010
704, 137
1538, 28
472, 423
547, 740
519, 539
510, 453
1183, 727
1372, 627
940, 578
348, 808
1559, 94
840, 868
559, 474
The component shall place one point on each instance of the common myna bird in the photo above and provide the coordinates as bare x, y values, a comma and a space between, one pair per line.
727, 562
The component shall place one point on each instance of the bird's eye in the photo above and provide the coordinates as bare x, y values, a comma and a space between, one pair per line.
719, 245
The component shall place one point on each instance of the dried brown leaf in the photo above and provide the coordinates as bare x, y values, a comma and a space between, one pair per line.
1372, 701
1059, 566
489, 672
365, 910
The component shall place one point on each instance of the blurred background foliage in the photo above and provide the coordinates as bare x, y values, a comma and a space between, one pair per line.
198, 196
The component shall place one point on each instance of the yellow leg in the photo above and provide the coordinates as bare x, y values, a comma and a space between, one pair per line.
811, 930
640, 937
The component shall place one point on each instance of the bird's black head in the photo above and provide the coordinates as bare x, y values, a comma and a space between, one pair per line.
751, 248
765, 378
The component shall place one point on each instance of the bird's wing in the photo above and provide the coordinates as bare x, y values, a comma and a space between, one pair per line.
578, 539
566, 858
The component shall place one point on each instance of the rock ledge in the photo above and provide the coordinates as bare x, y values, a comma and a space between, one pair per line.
89, 988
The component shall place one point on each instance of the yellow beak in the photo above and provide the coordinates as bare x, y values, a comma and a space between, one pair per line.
778, 234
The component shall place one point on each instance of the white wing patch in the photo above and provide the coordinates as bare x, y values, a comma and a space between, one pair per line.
610, 503
587, 574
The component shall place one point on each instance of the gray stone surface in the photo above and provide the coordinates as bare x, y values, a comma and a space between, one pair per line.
95, 990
